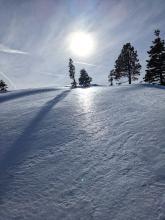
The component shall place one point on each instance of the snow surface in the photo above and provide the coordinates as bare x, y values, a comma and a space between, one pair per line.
83, 154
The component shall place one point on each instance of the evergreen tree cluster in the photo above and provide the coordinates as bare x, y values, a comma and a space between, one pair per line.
127, 64
155, 72
84, 79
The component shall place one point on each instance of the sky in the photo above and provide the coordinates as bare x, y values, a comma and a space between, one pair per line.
34, 46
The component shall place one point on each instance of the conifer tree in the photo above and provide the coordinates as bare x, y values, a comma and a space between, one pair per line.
72, 73
155, 71
111, 77
163, 67
127, 64
3, 86
84, 79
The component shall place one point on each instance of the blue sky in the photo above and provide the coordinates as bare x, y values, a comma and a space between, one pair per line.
33, 37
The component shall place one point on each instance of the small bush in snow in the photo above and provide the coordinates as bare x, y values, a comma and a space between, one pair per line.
3, 86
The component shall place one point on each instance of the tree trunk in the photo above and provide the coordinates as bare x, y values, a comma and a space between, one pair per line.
161, 78
129, 75
129, 68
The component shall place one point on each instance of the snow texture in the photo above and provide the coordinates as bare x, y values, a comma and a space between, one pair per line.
83, 154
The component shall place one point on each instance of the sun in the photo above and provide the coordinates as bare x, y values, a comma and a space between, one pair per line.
81, 43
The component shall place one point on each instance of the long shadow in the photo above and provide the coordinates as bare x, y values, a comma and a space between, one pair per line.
135, 87
9, 95
20, 148
154, 86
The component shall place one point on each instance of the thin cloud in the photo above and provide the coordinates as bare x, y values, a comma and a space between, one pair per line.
83, 63
90, 64
5, 49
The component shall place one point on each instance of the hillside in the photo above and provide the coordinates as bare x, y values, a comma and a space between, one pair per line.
95, 153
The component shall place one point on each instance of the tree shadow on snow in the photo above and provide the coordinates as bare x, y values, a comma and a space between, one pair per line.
15, 95
19, 149
135, 87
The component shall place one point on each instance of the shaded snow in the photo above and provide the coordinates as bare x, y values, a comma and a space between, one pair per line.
95, 153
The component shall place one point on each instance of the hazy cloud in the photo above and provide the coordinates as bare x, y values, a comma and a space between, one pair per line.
5, 49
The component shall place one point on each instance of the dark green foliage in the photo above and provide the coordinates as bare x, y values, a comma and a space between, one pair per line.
74, 84
72, 73
163, 68
3, 86
155, 71
84, 79
127, 64
111, 77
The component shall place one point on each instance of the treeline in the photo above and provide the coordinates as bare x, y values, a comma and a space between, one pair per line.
127, 64
84, 79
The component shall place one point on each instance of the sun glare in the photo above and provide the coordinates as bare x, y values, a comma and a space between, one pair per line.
81, 44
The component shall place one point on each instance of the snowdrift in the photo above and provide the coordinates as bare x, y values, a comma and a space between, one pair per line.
94, 153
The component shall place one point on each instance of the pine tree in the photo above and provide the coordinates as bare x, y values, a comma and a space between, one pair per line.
111, 77
163, 67
3, 86
155, 71
127, 64
84, 79
72, 73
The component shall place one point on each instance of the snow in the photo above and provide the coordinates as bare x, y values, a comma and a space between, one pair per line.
94, 153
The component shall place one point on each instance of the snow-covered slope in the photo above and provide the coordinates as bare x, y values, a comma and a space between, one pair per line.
96, 153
